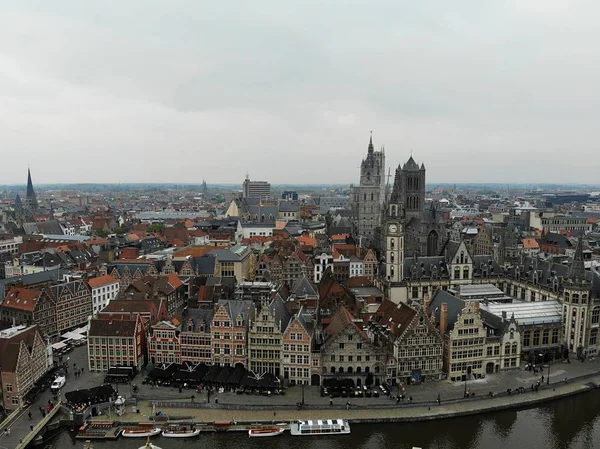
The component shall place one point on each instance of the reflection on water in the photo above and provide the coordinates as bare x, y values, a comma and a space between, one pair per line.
572, 423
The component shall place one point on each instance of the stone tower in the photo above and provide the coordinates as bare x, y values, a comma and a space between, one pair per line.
425, 228
576, 304
369, 196
409, 189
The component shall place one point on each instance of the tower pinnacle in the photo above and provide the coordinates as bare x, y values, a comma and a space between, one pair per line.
371, 149
577, 270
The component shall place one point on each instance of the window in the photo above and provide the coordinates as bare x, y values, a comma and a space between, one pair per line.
466, 273
536, 337
457, 273
546, 337
527, 338
358, 345
341, 345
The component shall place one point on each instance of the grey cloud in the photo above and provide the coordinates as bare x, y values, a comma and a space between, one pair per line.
185, 90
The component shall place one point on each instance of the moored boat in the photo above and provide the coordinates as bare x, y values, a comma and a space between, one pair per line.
320, 427
265, 432
140, 432
180, 432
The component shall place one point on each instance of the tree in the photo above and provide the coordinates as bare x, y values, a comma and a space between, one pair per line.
157, 227
369, 379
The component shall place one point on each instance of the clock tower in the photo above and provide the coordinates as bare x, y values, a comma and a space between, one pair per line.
393, 245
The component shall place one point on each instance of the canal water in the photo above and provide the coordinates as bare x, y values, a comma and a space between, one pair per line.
572, 423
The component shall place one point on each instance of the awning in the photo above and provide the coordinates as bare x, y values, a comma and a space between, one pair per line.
59, 345
72, 336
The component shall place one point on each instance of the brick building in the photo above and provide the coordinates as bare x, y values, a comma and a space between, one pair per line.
24, 362
116, 341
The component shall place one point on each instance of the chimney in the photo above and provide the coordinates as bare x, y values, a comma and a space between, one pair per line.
444, 318
427, 302
503, 315
476, 306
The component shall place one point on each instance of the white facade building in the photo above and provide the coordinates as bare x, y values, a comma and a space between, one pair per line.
10, 245
104, 290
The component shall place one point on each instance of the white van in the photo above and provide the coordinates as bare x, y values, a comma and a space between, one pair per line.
58, 383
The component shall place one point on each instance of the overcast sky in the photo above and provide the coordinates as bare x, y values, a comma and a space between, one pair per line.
177, 91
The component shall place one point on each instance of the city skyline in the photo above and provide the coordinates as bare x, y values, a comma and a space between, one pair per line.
479, 93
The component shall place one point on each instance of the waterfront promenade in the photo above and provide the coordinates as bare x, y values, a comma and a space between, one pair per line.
254, 408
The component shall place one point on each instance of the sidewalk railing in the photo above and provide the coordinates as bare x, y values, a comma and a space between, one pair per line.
10, 418
32, 434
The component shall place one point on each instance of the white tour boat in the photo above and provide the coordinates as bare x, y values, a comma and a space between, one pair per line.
140, 433
180, 432
320, 427
265, 432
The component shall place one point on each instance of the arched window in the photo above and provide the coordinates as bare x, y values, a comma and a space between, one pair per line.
392, 257
333, 370
392, 243
349, 370
514, 348
377, 369
567, 296
462, 257
393, 211
507, 348
341, 369
365, 196
575, 298
466, 273
457, 273
392, 270
371, 196
367, 369
358, 370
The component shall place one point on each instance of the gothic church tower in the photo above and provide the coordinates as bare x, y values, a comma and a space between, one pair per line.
369, 196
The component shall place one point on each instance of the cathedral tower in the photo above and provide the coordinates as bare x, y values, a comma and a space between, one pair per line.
368, 197
425, 228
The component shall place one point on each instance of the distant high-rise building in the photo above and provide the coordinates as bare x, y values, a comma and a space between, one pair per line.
204, 189
30, 199
256, 189
368, 197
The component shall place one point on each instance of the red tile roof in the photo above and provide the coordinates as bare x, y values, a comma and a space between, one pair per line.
21, 298
101, 281
174, 281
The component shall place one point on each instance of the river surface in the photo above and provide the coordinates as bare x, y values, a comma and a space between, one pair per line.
571, 423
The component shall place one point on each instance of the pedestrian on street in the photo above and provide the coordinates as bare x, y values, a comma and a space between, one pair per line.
8, 431
31, 427
331, 402
542, 378
29, 414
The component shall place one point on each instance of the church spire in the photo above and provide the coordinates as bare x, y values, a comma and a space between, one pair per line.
30, 198
577, 270
371, 148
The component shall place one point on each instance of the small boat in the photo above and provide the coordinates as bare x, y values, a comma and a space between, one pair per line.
140, 433
149, 445
320, 427
265, 432
180, 432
